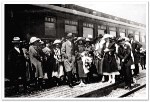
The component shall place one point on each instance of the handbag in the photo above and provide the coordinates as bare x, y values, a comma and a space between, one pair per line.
45, 76
129, 62
61, 71
132, 66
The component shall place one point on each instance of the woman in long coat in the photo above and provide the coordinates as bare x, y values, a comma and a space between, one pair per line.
80, 48
109, 63
36, 61
97, 55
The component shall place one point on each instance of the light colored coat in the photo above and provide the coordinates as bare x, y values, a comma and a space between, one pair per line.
66, 51
35, 61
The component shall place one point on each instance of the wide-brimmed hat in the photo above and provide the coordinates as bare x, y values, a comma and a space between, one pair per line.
107, 36
16, 40
80, 38
57, 41
33, 39
87, 40
42, 42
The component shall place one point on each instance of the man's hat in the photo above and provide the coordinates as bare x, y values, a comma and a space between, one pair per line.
57, 41
34, 39
100, 36
87, 40
69, 35
107, 36
16, 40
130, 36
80, 38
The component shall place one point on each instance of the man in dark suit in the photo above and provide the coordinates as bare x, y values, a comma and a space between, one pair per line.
136, 52
17, 65
126, 62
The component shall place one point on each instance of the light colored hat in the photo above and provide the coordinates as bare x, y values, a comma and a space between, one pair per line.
107, 36
69, 35
80, 38
42, 42
16, 40
87, 40
57, 41
126, 39
120, 39
34, 39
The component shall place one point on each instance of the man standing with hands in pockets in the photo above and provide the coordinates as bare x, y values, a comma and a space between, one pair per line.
67, 54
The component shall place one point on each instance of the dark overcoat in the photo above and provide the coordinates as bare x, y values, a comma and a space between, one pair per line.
16, 64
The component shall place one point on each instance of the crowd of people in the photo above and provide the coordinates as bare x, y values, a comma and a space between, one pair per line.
74, 61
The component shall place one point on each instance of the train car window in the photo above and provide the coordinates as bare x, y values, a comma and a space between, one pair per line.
50, 26
130, 31
137, 37
71, 26
122, 34
70, 29
87, 32
101, 31
50, 29
113, 33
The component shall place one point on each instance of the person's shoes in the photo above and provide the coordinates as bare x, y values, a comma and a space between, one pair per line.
82, 84
104, 81
109, 81
128, 88
113, 81
70, 85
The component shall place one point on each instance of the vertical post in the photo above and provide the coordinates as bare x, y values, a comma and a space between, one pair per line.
60, 27
95, 31
107, 29
80, 28
117, 32
126, 32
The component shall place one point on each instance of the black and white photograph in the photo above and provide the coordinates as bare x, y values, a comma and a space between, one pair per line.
87, 50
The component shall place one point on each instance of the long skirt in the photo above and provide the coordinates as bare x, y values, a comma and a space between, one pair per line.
80, 69
98, 64
109, 65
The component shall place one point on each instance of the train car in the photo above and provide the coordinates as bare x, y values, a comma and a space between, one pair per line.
54, 21
51, 21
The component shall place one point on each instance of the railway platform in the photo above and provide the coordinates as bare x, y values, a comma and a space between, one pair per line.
98, 89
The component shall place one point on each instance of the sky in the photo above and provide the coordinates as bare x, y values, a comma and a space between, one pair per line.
131, 11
